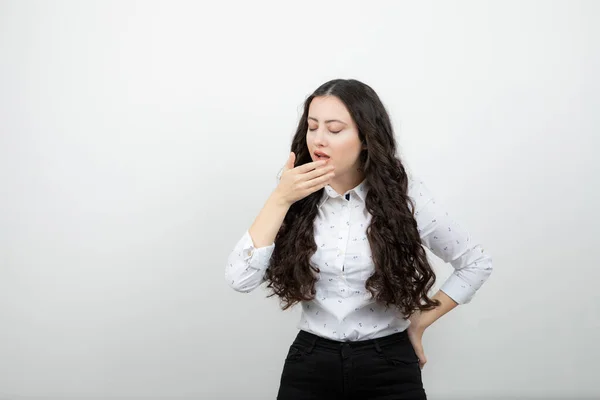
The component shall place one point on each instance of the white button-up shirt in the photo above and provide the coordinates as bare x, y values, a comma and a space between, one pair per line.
342, 308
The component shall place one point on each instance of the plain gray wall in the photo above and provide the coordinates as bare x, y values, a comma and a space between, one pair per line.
138, 140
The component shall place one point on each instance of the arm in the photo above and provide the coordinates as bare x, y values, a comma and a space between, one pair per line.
453, 244
266, 225
250, 257
421, 320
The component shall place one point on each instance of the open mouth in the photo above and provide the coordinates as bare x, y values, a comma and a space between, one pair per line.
321, 156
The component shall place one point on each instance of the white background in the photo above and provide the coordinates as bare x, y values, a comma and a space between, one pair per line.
138, 141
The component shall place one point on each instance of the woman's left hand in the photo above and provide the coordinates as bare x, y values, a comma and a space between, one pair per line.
420, 320
415, 334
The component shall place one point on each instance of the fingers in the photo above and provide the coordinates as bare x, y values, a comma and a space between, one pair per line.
416, 339
319, 182
310, 166
421, 356
289, 164
307, 178
315, 173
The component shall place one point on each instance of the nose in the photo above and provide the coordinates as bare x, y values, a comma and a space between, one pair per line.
319, 138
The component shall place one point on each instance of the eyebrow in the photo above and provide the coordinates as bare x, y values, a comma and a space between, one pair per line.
329, 120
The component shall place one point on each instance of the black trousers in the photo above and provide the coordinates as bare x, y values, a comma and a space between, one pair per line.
378, 369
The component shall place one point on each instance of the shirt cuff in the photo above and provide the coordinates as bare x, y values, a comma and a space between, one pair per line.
458, 290
256, 257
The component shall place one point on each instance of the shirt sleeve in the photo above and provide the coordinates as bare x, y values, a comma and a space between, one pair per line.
452, 243
246, 264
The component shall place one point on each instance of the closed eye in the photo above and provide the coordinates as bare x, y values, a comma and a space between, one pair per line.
314, 129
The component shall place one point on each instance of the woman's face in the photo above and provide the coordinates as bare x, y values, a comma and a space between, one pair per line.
333, 134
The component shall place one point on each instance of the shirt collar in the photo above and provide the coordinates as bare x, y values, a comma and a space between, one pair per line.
360, 192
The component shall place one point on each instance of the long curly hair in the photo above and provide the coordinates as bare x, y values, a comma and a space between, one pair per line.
403, 276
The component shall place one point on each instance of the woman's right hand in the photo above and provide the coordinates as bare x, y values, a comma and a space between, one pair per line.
297, 183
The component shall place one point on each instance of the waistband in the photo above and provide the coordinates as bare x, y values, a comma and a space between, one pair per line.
313, 340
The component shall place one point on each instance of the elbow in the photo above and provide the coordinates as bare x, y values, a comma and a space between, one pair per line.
239, 284
234, 282
240, 288
490, 264
487, 269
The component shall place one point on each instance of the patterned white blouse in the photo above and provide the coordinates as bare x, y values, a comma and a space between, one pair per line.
343, 309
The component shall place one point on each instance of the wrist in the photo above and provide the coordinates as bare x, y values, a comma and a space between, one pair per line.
279, 200
420, 320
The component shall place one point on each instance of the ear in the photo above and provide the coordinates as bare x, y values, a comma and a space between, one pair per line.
364, 145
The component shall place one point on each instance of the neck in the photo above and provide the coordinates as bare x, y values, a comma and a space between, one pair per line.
346, 182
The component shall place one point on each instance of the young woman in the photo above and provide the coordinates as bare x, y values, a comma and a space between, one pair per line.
342, 235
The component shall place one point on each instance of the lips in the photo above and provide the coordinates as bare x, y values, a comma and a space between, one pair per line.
321, 154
